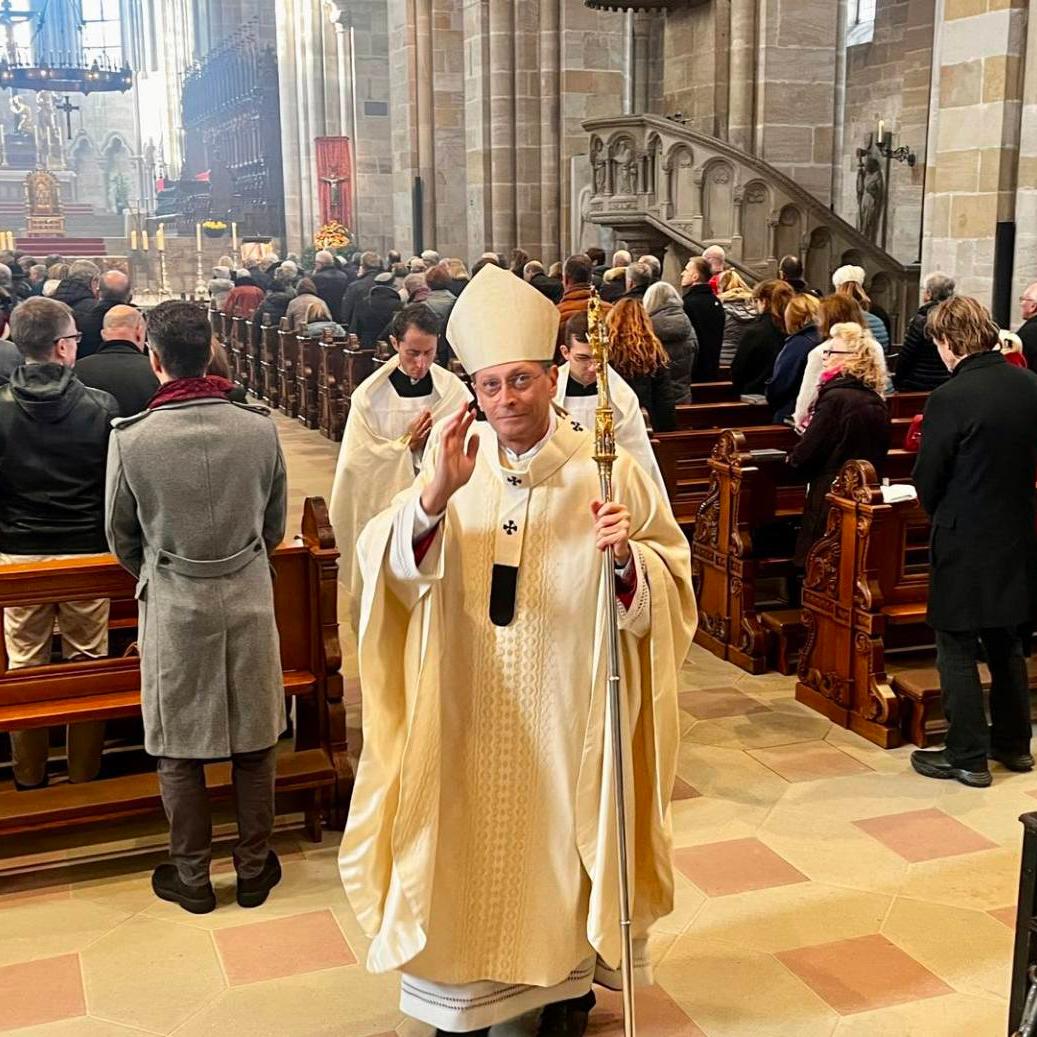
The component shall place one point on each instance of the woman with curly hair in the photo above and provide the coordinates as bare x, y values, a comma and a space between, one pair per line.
639, 358
851, 421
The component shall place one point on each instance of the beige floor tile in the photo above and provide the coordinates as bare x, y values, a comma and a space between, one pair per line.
707, 819
971, 950
954, 1015
151, 974
320, 1004
855, 796
711, 703
728, 773
84, 1026
687, 902
890, 761
733, 992
46, 929
808, 761
759, 730
979, 880
791, 916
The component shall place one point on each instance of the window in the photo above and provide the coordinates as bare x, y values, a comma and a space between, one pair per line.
862, 22
102, 33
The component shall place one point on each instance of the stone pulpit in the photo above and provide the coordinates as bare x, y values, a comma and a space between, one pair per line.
44, 201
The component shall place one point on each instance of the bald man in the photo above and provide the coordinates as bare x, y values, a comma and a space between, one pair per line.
113, 290
121, 366
1028, 329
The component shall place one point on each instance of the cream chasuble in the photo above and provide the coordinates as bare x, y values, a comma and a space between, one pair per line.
480, 850
631, 431
375, 460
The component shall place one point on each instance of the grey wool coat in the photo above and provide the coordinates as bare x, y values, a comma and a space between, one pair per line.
195, 501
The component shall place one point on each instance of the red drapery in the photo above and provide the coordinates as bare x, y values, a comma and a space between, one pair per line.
335, 179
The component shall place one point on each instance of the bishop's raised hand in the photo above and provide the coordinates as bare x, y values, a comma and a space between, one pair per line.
455, 463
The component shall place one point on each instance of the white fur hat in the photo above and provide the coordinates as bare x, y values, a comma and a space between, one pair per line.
848, 273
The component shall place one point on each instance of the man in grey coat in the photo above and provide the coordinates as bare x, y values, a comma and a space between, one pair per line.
195, 503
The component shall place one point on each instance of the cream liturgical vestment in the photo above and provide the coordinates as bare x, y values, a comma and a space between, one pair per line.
480, 853
631, 432
375, 460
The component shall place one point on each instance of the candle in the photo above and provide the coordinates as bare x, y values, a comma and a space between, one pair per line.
160, 238
198, 236
144, 240
234, 237
133, 239
882, 126
10, 241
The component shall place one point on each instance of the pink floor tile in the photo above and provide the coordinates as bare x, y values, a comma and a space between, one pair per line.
36, 992
1006, 915
923, 835
862, 974
682, 790
656, 1014
735, 866
807, 761
282, 947
709, 703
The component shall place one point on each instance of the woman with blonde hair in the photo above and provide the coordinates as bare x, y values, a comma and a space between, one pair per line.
739, 312
849, 280
459, 275
638, 357
803, 336
851, 421
762, 340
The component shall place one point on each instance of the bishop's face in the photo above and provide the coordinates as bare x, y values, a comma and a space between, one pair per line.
417, 350
516, 399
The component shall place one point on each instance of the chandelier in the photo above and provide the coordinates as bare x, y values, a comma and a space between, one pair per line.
67, 72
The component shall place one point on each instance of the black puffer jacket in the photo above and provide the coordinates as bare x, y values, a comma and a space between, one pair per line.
274, 306
919, 367
76, 294
53, 453
372, 315
674, 331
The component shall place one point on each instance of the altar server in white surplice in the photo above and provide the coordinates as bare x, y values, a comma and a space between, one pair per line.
577, 392
480, 852
390, 417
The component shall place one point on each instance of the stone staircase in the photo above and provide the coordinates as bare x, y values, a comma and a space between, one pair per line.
659, 184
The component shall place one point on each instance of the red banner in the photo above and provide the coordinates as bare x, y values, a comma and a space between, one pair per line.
335, 180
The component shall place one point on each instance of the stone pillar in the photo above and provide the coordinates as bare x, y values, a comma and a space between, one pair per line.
974, 139
425, 116
742, 75
528, 155
502, 123
550, 131
1026, 178
291, 152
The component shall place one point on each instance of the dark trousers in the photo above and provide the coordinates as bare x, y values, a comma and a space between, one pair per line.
186, 802
969, 740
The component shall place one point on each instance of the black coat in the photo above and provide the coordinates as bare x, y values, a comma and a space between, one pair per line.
706, 313
919, 367
274, 306
850, 422
753, 364
373, 314
655, 394
53, 454
548, 286
121, 369
1028, 333
975, 478
90, 320
673, 329
331, 283
357, 291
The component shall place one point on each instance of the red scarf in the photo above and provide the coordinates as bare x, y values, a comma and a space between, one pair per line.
208, 387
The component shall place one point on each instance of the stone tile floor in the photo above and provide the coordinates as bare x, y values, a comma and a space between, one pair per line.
822, 889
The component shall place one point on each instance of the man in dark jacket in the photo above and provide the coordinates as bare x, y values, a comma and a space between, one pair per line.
79, 290
550, 287
975, 479
638, 281
120, 366
919, 366
370, 267
373, 314
330, 280
706, 314
114, 291
790, 270
53, 446
1028, 329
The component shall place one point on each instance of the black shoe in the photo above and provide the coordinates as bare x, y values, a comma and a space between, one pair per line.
253, 892
934, 764
566, 1018
1020, 762
199, 900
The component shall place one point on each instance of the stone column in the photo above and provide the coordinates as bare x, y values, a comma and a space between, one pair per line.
425, 116
550, 132
974, 139
290, 150
528, 154
1026, 178
742, 75
502, 123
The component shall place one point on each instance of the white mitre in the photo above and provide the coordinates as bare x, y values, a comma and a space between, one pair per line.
500, 319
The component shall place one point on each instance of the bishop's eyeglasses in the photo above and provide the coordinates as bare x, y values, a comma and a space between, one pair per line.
516, 383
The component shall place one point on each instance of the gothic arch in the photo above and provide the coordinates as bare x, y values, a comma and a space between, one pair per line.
819, 257
86, 163
718, 201
788, 235
680, 161
756, 212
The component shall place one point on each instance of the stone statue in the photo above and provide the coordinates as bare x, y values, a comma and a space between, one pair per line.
22, 115
49, 153
871, 195
598, 167
625, 169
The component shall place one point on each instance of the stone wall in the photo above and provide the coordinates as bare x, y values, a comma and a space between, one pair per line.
691, 67
1025, 267
889, 78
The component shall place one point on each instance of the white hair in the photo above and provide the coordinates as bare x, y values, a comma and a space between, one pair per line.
621, 258
5, 275
661, 294
323, 258
714, 250
430, 256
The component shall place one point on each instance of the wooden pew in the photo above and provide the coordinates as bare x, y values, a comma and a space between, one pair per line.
313, 775
713, 392
287, 359
723, 414
307, 371
253, 357
269, 362
239, 351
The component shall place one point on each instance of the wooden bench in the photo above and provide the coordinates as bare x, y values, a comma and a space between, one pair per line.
307, 372
287, 359
343, 366
314, 773
269, 363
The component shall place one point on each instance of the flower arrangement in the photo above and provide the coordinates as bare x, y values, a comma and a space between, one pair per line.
332, 236
214, 228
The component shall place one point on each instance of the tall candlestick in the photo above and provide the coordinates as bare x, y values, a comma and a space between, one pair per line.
133, 239
144, 240
198, 237
234, 237
160, 238
882, 126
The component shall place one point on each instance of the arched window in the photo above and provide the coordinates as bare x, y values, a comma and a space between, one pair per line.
102, 32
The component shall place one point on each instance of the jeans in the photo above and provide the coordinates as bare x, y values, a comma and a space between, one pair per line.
186, 802
969, 740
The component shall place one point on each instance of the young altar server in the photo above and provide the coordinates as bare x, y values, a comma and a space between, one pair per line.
480, 853
390, 416
578, 393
